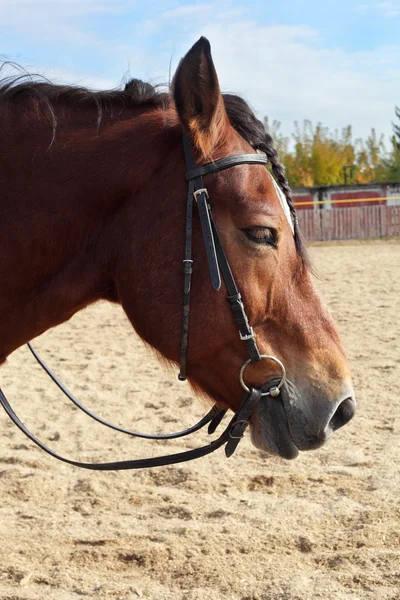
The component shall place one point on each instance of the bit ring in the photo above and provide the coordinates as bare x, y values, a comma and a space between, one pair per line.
274, 391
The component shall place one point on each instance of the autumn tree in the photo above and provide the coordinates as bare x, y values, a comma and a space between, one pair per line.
315, 156
370, 159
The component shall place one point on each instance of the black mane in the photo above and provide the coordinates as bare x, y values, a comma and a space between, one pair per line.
139, 93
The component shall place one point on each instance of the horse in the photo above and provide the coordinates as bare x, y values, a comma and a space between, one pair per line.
93, 207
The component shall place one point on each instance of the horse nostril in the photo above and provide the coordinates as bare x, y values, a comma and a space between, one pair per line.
344, 412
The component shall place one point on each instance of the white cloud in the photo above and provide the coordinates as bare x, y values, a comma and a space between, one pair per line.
389, 9
187, 11
65, 7
384, 9
57, 20
286, 74
59, 76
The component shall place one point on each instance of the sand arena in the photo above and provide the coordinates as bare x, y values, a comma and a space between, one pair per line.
248, 528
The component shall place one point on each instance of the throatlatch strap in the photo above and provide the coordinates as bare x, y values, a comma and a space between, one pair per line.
187, 265
187, 283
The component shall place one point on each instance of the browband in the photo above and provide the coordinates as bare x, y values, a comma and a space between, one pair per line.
226, 163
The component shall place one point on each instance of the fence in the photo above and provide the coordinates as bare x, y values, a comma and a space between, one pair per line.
359, 222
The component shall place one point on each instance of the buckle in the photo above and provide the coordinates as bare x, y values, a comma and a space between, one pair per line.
248, 336
200, 191
240, 422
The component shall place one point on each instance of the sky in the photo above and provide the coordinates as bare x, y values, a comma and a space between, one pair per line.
335, 62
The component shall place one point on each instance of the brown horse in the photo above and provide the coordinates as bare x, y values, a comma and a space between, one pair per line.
92, 206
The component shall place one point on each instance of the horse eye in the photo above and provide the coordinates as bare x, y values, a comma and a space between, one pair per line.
261, 235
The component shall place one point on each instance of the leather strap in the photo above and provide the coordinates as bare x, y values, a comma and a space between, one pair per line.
187, 264
216, 260
204, 213
214, 416
216, 421
187, 283
225, 163
216, 256
159, 461
235, 299
239, 425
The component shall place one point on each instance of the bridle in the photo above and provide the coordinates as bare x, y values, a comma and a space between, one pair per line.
218, 265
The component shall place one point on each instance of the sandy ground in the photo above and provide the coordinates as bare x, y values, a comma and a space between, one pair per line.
248, 528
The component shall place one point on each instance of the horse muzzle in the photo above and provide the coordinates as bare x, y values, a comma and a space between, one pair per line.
293, 421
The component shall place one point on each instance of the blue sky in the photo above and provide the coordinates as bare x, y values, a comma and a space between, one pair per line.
334, 62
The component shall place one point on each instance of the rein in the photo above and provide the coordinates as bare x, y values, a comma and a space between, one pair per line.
218, 265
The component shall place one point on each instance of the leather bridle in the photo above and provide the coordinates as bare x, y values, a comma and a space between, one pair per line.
218, 265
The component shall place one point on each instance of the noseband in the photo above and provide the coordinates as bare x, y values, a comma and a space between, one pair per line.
218, 265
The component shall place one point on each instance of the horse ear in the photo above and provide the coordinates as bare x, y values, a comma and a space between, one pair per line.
198, 98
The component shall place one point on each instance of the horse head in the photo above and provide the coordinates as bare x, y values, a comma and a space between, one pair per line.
255, 217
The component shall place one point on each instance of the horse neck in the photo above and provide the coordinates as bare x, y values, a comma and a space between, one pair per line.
64, 204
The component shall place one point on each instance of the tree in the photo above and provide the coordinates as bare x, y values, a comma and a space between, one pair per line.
371, 159
393, 162
397, 127
314, 155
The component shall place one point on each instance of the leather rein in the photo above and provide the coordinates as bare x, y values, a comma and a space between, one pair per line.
218, 265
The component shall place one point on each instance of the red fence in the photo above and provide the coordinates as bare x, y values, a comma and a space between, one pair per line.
358, 222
